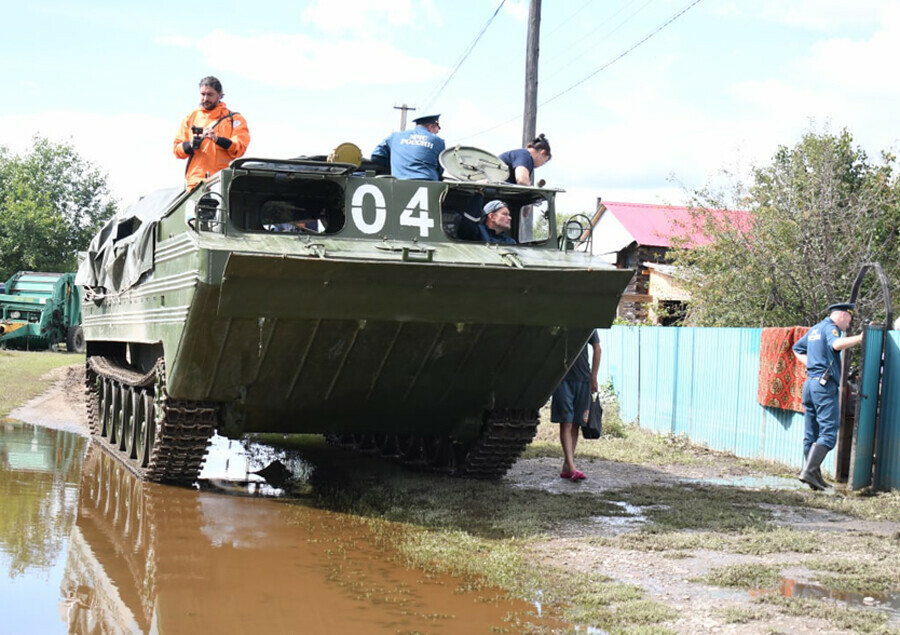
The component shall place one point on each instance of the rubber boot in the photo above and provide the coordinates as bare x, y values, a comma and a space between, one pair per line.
821, 478
813, 461
817, 473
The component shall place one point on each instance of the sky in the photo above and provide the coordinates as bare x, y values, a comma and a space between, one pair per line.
638, 107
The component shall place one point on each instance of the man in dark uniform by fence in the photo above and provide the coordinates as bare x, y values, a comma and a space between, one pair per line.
820, 351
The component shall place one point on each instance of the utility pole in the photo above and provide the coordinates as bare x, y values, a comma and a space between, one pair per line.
403, 110
529, 126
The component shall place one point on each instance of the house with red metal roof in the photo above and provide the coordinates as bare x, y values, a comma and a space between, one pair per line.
638, 236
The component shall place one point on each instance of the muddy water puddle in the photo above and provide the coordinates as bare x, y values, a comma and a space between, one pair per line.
755, 481
86, 547
887, 603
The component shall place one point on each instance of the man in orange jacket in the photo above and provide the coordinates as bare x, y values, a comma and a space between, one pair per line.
211, 136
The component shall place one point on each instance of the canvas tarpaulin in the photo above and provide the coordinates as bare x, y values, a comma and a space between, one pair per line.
122, 251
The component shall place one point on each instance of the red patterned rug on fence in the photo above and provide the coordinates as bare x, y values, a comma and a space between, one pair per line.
781, 376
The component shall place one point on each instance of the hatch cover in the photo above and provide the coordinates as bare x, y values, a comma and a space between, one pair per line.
473, 165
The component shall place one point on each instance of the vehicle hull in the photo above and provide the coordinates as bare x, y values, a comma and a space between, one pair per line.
360, 331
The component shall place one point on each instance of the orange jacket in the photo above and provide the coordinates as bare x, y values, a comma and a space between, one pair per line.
234, 137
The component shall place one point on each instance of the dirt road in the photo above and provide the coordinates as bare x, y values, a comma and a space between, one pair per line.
805, 543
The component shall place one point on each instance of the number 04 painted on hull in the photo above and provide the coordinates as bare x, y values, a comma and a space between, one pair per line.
415, 213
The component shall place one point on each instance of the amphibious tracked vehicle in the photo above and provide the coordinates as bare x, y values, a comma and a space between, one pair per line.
313, 296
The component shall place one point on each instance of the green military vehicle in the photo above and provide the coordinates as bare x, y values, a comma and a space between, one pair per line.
313, 296
39, 311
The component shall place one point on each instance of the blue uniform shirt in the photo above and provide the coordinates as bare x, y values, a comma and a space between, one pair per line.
516, 158
412, 154
487, 235
818, 346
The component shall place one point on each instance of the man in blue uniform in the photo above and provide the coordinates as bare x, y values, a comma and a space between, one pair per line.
571, 404
820, 351
494, 227
413, 154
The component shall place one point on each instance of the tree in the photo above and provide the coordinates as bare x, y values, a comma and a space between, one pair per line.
817, 213
51, 203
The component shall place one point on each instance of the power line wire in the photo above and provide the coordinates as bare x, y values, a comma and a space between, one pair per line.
571, 15
602, 68
571, 45
462, 59
624, 53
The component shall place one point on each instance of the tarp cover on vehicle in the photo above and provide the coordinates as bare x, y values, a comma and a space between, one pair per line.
122, 251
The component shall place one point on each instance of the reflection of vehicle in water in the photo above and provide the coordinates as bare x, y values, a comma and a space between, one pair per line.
109, 581
317, 297
144, 557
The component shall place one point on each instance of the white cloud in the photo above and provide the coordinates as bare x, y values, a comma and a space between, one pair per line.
821, 15
303, 62
517, 8
365, 17
859, 66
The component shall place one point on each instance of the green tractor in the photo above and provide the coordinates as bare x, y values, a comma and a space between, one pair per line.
39, 311
312, 296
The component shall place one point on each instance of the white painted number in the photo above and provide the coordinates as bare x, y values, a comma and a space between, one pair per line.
423, 221
415, 214
356, 209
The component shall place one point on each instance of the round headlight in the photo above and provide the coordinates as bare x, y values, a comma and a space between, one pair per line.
15, 315
574, 230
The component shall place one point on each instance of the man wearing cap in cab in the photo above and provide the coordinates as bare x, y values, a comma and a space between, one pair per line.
496, 225
820, 351
413, 154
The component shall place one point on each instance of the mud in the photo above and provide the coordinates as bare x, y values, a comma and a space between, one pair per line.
669, 580
665, 579
90, 548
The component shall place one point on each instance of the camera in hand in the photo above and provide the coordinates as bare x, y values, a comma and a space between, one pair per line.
198, 137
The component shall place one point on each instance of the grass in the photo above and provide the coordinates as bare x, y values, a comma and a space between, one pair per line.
687, 507
23, 375
750, 576
629, 443
379, 489
738, 615
853, 620
483, 531
874, 576
585, 599
845, 575
757, 542
879, 506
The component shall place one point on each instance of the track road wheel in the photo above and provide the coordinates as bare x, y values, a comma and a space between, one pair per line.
126, 428
437, 451
145, 427
387, 444
132, 395
409, 447
105, 407
365, 442
115, 413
